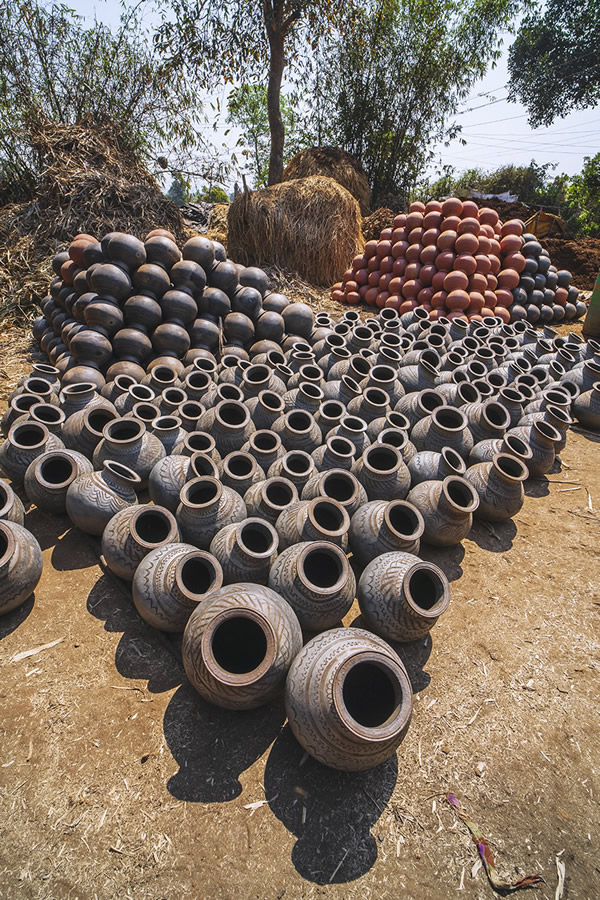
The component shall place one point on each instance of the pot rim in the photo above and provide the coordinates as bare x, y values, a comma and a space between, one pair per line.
377, 449
192, 483
327, 501
7, 495
48, 457
121, 471
152, 510
209, 559
132, 423
279, 479
503, 459
464, 485
235, 679
29, 424
257, 522
435, 572
412, 510
323, 547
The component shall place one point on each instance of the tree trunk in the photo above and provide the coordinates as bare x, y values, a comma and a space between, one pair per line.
276, 66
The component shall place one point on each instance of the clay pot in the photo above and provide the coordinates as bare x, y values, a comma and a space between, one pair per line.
372, 404
124, 249
336, 453
265, 446
83, 430
382, 472
445, 427
11, 508
329, 416
316, 580
246, 549
198, 442
76, 397
20, 565
18, 407
542, 438
298, 431
268, 499
401, 597
127, 441
133, 533
339, 485
114, 389
171, 582
381, 527
447, 508
308, 397
167, 479
298, 318
348, 699
355, 430
485, 451
487, 419
586, 408
320, 519
205, 507
24, 444
50, 475
419, 404
296, 465
429, 465
229, 423
93, 499
255, 378
44, 414
499, 486
169, 432
239, 644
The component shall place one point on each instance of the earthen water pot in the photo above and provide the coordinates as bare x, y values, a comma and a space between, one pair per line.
542, 438
586, 408
230, 424
83, 430
265, 447
447, 508
246, 550
128, 442
240, 470
429, 465
205, 507
20, 565
93, 499
339, 485
320, 519
133, 533
50, 475
382, 526
446, 426
25, 442
298, 431
268, 499
11, 508
499, 486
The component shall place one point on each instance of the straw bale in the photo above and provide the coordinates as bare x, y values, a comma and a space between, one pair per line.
217, 223
310, 226
373, 225
332, 163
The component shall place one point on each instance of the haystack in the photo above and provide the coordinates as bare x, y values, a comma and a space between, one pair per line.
310, 226
89, 183
373, 225
336, 164
217, 223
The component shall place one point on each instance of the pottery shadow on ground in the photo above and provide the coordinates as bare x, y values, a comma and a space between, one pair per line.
46, 528
538, 486
73, 550
213, 746
447, 558
496, 537
141, 652
11, 621
414, 655
331, 813
588, 435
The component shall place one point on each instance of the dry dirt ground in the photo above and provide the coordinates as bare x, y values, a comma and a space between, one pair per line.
117, 781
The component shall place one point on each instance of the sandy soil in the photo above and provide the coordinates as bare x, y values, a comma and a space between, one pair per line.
116, 780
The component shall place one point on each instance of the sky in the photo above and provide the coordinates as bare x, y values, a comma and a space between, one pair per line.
496, 131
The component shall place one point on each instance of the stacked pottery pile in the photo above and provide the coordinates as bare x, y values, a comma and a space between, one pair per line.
454, 259
230, 493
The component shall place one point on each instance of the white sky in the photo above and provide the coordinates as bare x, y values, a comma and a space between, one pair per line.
496, 131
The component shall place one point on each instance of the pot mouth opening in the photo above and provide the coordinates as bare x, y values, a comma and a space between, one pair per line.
239, 645
512, 395
332, 409
338, 485
57, 470
376, 397
398, 420
351, 383
404, 519
557, 398
496, 379
517, 447
278, 493
341, 446
239, 464
271, 400
204, 365
383, 458
197, 575
484, 387
124, 382
124, 430
454, 460
44, 367
29, 434
151, 527
511, 467
276, 358
298, 462
47, 414
4, 497
82, 387
229, 361
468, 392
265, 440
257, 537
371, 694
163, 375
202, 464
427, 588
341, 352
191, 409
547, 430
322, 566
311, 390
310, 372
167, 423
230, 392
449, 419
485, 353
174, 395
328, 515
353, 423
202, 491
461, 494
557, 412
477, 369
256, 373
390, 353
383, 373
22, 403
334, 340
391, 339
298, 420
121, 471
198, 379
361, 365
430, 400
142, 392
38, 386
496, 415
395, 437
230, 413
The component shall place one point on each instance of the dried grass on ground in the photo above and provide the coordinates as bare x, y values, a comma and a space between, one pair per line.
336, 164
88, 184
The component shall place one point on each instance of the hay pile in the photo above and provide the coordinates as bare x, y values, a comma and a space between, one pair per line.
88, 184
373, 225
217, 223
310, 226
332, 163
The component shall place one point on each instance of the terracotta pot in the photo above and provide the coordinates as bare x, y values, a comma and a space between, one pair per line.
133, 533
92, 500
336, 453
239, 644
50, 475
316, 580
586, 408
198, 442
120, 385
167, 479
230, 424
171, 582
382, 472
320, 519
382, 527
246, 549
348, 699
205, 507
296, 465
485, 451
418, 404
487, 419
11, 508
17, 408
20, 565
329, 416
447, 508
128, 442
542, 438
429, 465
499, 486
24, 444
339, 485
445, 427
265, 446
353, 429
268, 499
76, 397
169, 432
83, 430
240, 470
44, 414
401, 597
308, 397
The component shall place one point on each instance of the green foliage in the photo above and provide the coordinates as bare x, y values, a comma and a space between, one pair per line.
389, 83
583, 196
179, 190
55, 68
213, 194
553, 62
247, 109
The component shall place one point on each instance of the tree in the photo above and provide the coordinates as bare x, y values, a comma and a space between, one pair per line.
247, 108
179, 190
230, 42
391, 81
553, 63
213, 194
583, 195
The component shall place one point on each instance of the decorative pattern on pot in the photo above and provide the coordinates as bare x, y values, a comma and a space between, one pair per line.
269, 498
205, 507
92, 500
298, 431
447, 426
419, 404
229, 423
336, 453
348, 699
499, 486
170, 582
447, 508
320, 519
11, 508
133, 533
381, 527
542, 438
372, 404
246, 550
485, 451
83, 430
128, 442
586, 408
316, 580
383, 473
428, 465
78, 396
239, 644
240, 470
24, 444
265, 409
166, 479
401, 597
296, 465
20, 565
50, 475
339, 485
487, 419
169, 432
